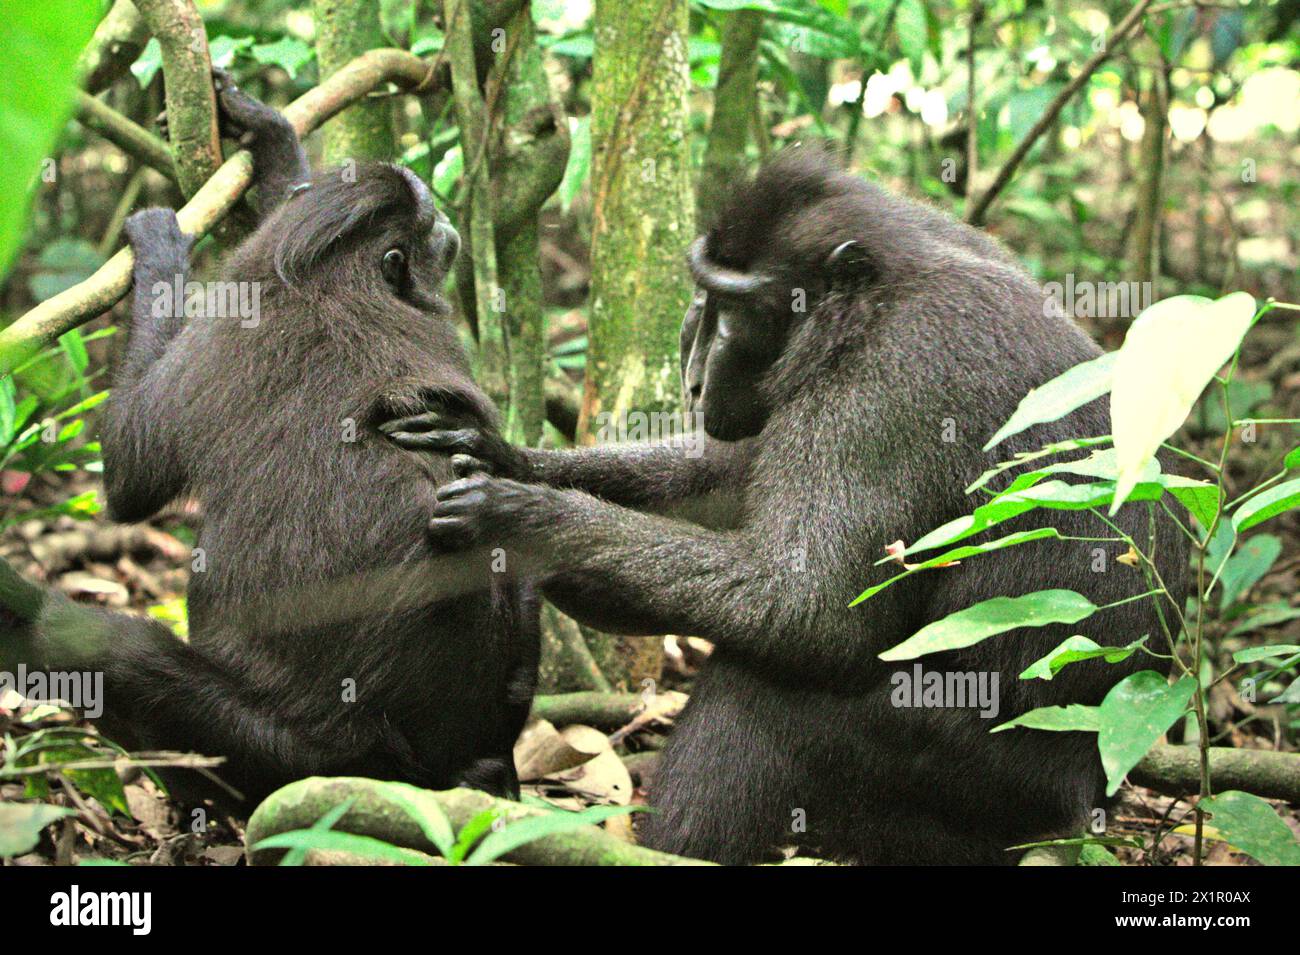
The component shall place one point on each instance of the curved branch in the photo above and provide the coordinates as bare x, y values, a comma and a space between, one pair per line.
191, 102
384, 811
1176, 771
131, 138
979, 208
101, 291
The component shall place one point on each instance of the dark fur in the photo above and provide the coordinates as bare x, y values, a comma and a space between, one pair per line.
318, 567
931, 321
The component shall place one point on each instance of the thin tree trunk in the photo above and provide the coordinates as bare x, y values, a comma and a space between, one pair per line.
1150, 162
735, 100
344, 30
642, 222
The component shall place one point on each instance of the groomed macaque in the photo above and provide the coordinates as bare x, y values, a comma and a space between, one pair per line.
849, 352
326, 637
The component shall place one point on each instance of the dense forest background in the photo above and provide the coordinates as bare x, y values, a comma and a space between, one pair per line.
1126, 152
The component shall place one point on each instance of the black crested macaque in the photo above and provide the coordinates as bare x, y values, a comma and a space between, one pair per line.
326, 636
833, 430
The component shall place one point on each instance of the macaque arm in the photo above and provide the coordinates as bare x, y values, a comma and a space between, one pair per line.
141, 470
654, 477
754, 590
279, 163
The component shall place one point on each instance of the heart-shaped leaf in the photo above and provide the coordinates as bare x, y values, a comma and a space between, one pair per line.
1252, 825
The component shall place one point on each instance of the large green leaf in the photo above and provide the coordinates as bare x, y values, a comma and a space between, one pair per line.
1053, 495
961, 553
1061, 719
1268, 504
327, 840
991, 617
1172, 351
1133, 715
1074, 649
1250, 824
427, 812
1069, 390
39, 44
1251, 654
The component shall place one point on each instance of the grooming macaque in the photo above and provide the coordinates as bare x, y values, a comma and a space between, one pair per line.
324, 637
850, 353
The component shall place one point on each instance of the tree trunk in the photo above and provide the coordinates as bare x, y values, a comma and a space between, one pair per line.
734, 104
642, 223
344, 30
1150, 160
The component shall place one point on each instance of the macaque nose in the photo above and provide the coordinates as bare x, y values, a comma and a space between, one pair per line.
446, 244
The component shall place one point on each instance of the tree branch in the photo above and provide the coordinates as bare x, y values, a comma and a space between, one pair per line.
191, 102
105, 288
472, 117
131, 138
118, 41
979, 208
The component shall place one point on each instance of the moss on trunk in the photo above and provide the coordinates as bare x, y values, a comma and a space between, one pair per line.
344, 30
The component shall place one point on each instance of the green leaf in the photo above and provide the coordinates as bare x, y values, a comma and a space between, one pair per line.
8, 410
175, 614
75, 349
21, 825
1172, 351
330, 841
1072, 650
41, 42
1024, 457
498, 844
1061, 719
1267, 616
1201, 498
298, 854
1094, 854
81, 407
1292, 460
289, 53
961, 553
1252, 654
427, 812
1290, 695
991, 617
909, 24
1253, 826
224, 49
1053, 495
578, 168
1246, 566
470, 833
1267, 504
1133, 715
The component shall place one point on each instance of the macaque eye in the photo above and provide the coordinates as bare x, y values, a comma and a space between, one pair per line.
394, 267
